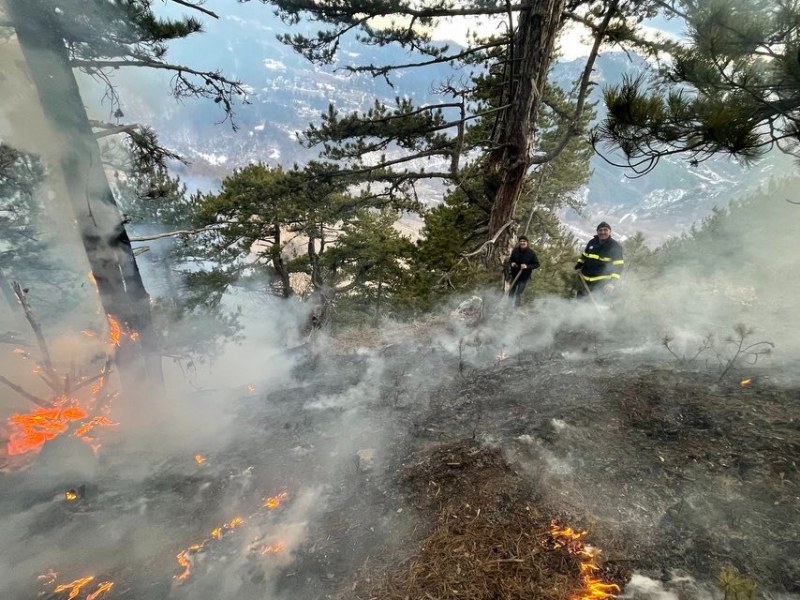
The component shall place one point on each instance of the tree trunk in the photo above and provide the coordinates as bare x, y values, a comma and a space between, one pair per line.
279, 265
99, 221
532, 51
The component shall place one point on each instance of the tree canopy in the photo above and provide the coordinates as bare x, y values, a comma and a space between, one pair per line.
732, 87
498, 80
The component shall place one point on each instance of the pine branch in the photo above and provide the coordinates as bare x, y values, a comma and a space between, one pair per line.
391, 9
197, 7
114, 130
583, 91
384, 70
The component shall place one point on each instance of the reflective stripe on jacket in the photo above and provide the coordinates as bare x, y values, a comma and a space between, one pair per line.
601, 260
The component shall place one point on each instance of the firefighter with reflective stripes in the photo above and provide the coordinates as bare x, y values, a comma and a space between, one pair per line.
600, 265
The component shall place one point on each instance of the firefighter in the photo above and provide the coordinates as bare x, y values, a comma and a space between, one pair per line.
522, 262
600, 265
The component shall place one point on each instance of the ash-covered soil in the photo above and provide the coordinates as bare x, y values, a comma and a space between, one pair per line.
393, 449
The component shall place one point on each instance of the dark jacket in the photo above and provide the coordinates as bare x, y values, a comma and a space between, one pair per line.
523, 257
601, 260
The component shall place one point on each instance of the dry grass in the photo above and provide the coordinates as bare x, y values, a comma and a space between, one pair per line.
489, 541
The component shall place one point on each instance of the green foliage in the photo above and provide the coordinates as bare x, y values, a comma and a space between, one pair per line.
733, 88
734, 586
637, 252
371, 259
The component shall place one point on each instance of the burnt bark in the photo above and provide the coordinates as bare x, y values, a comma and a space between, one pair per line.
99, 221
532, 47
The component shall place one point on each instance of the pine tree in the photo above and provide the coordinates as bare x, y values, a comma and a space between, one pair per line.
388, 143
733, 88
97, 36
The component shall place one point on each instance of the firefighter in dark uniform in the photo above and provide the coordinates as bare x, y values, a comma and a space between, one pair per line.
522, 262
600, 265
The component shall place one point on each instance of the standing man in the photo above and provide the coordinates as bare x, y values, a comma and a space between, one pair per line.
522, 262
600, 265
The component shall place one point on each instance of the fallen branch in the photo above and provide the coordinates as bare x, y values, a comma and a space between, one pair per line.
25, 394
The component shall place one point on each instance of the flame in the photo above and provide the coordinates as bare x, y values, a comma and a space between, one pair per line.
97, 386
90, 275
745, 382
114, 331
251, 388
89, 333
594, 588
21, 352
30, 431
502, 355
275, 501
274, 548
71, 495
74, 587
199, 459
133, 335
98, 421
101, 589
48, 578
184, 557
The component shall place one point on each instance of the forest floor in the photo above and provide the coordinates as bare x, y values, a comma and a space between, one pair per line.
410, 471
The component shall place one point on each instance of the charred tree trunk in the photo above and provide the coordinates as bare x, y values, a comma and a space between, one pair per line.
532, 50
98, 218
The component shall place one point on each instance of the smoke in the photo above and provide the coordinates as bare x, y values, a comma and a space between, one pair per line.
315, 417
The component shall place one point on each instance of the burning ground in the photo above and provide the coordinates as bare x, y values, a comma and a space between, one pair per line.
436, 461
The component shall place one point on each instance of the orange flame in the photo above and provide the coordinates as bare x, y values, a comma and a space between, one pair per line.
114, 331
594, 588
98, 421
30, 431
184, 557
71, 495
101, 589
274, 548
90, 275
275, 501
22, 352
745, 382
74, 587
97, 386
199, 459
